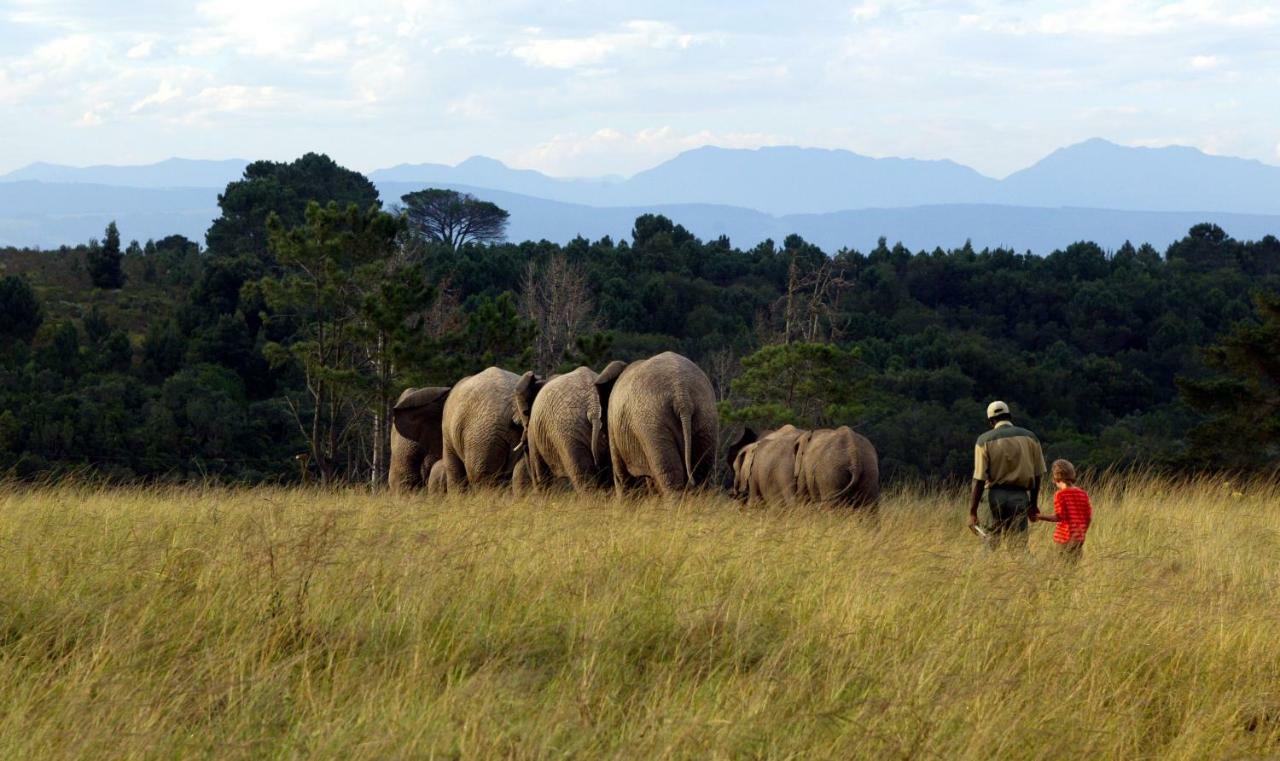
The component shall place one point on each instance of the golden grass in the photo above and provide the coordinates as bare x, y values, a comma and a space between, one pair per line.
181, 622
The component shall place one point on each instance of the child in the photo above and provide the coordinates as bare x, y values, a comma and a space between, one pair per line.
1071, 511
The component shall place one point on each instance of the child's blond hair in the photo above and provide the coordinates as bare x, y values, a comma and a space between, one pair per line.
1064, 471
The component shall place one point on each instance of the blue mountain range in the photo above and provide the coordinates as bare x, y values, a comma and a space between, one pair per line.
1095, 190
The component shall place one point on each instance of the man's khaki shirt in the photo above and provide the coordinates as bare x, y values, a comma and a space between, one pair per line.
1008, 456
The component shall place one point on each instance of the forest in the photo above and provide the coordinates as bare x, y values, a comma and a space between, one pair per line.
272, 350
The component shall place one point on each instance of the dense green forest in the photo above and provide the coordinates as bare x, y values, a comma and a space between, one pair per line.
274, 350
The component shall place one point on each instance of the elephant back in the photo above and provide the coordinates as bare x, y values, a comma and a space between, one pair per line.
480, 425
567, 420
837, 466
662, 421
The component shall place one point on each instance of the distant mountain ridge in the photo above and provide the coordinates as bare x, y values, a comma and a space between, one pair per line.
170, 173
790, 180
51, 214
785, 180
1093, 190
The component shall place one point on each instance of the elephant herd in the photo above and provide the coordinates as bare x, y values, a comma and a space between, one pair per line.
651, 423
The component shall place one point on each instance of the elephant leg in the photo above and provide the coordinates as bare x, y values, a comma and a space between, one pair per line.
580, 469
436, 479
667, 468
455, 475
623, 481
522, 481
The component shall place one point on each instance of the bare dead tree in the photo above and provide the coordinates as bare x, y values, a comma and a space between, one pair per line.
809, 306
454, 218
557, 299
722, 366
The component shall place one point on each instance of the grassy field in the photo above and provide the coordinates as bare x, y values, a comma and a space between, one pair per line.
285, 623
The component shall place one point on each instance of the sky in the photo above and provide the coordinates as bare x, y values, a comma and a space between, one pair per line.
604, 87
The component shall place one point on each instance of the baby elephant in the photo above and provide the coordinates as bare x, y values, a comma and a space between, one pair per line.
830, 467
837, 467
764, 468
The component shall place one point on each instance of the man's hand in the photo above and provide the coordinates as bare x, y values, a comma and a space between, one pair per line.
975, 496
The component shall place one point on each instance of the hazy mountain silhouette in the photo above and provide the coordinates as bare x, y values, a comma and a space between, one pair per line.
484, 172
170, 173
1040, 230
787, 180
1094, 190
1100, 174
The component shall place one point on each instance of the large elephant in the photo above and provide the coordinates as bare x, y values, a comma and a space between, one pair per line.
836, 467
661, 422
417, 445
564, 433
477, 427
764, 469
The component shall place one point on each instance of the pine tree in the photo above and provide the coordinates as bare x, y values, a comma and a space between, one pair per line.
103, 261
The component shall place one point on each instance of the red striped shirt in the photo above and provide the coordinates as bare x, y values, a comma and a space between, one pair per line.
1071, 506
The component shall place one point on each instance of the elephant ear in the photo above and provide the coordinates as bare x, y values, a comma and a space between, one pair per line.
418, 414
748, 437
604, 384
526, 391
802, 441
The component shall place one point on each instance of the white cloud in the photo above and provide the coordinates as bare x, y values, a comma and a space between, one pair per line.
230, 98
140, 51
163, 94
1205, 62
574, 52
578, 88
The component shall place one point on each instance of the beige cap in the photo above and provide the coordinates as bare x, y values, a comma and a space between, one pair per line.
997, 408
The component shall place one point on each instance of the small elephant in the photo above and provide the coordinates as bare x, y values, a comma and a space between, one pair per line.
564, 433
764, 469
661, 422
740, 464
436, 481
477, 428
417, 446
836, 467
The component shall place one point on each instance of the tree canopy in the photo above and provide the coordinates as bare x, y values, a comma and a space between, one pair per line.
454, 219
203, 362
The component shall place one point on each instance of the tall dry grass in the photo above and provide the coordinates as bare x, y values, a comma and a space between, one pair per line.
300, 624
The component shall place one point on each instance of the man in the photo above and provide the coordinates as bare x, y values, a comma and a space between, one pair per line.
1008, 464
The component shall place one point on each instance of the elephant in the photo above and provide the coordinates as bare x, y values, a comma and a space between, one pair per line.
436, 482
563, 425
660, 419
417, 447
740, 463
836, 467
476, 426
764, 469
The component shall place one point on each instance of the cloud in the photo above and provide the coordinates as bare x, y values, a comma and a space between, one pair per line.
165, 93
1204, 62
139, 51
574, 52
587, 88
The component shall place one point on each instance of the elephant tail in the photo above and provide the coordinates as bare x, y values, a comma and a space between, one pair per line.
686, 427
